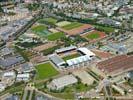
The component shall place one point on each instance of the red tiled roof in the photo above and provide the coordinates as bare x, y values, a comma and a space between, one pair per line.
122, 62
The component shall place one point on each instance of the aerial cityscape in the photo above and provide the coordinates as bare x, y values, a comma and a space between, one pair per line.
66, 49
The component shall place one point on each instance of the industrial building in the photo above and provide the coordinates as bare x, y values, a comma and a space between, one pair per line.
60, 83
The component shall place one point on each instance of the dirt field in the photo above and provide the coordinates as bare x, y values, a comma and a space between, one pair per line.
77, 30
44, 46
85, 77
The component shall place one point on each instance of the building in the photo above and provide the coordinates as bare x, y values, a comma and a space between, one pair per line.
10, 74
60, 83
25, 68
116, 65
2, 86
10, 61
6, 52
23, 77
57, 60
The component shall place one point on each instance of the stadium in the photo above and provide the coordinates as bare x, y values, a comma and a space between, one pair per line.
71, 57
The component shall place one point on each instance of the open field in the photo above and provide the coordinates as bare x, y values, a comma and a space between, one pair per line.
71, 56
48, 20
63, 23
72, 26
45, 71
55, 36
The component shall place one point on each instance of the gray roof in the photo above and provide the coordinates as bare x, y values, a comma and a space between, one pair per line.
56, 59
6, 51
65, 49
10, 61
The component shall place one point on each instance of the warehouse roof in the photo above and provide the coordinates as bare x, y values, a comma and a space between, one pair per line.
64, 81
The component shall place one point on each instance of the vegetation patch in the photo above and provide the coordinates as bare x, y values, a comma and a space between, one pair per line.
71, 56
105, 29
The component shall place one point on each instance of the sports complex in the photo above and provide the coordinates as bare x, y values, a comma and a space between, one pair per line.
71, 57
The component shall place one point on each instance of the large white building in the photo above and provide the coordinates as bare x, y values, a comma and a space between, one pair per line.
23, 77
60, 83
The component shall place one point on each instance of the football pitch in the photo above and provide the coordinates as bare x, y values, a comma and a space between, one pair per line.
55, 36
45, 71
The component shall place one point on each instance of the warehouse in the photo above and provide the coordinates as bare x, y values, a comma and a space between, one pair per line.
60, 83
116, 65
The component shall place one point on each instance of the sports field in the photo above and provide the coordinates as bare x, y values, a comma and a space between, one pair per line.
55, 36
45, 71
71, 56
72, 26
92, 36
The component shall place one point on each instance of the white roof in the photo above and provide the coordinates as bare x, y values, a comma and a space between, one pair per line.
86, 51
7, 74
64, 81
27, 75
78, 60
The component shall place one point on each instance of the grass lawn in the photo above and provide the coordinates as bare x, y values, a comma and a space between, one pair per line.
39, 28
45, 71
72, 25
93, 36
48, 20
55, 36
71, 56
105, 29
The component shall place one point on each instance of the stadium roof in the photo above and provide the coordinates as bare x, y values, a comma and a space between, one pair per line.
65, 49
86, 51
56, 59
78, 60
